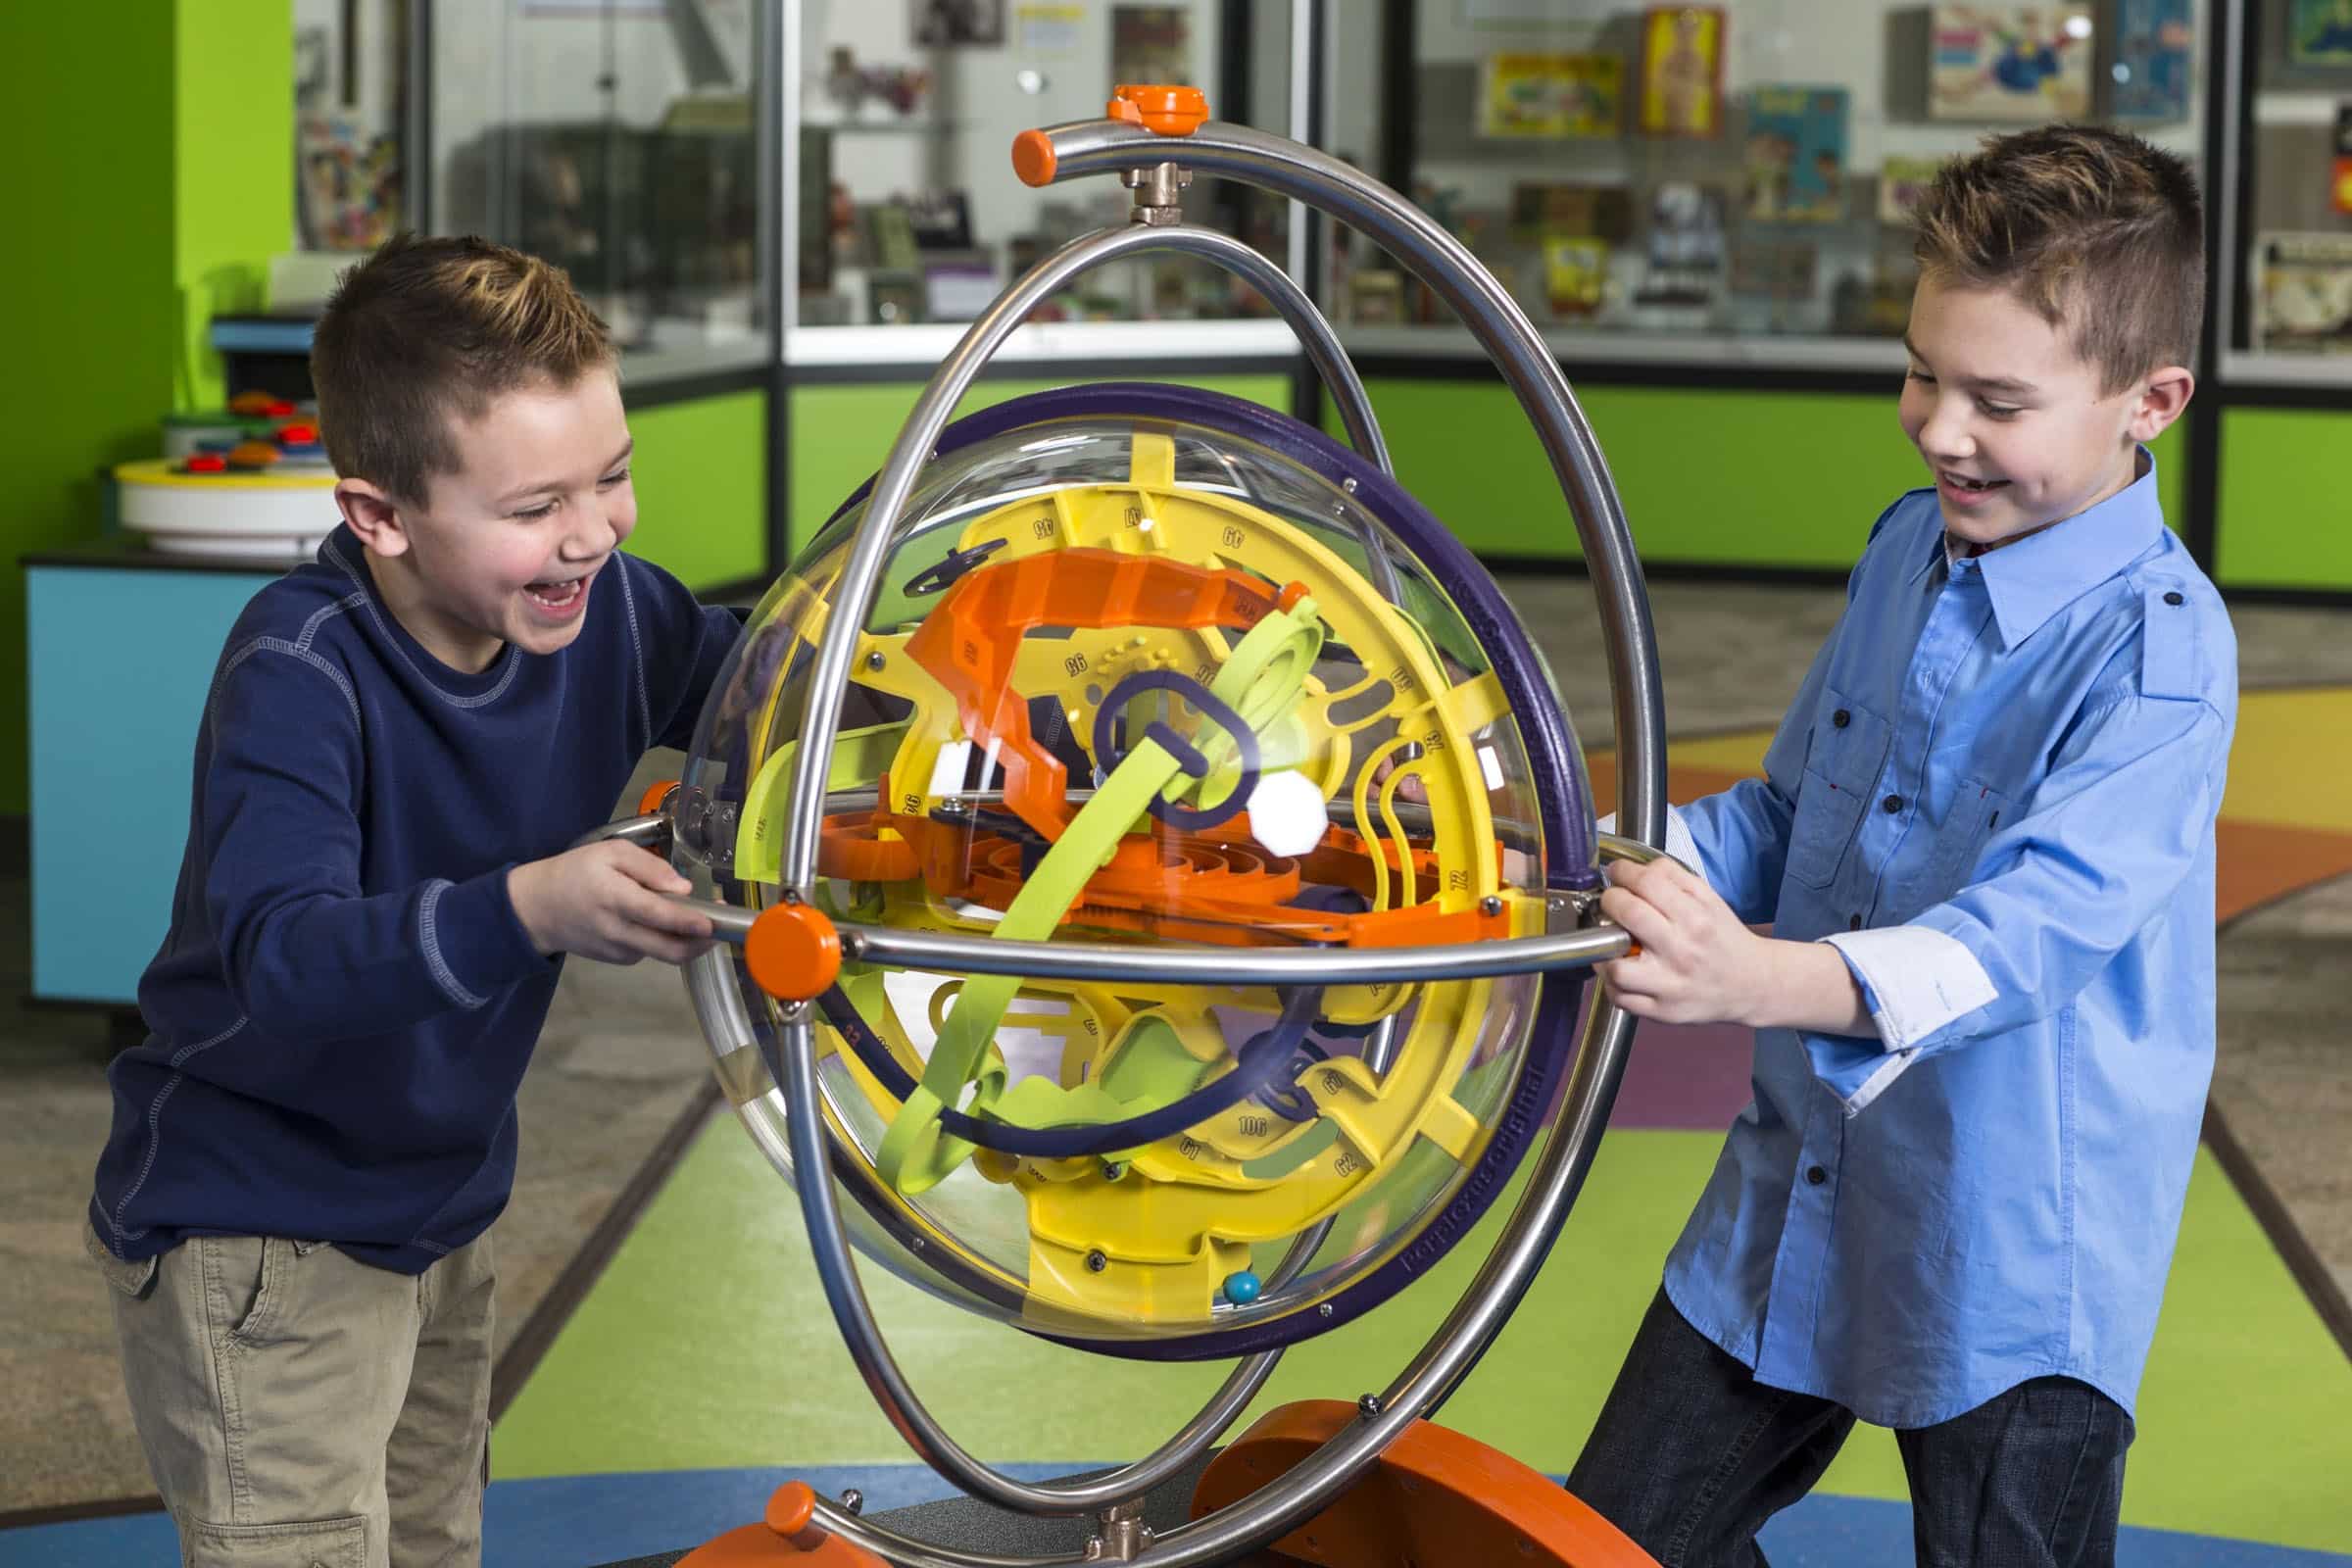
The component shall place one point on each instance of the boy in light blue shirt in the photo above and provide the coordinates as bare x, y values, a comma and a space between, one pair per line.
1985, 846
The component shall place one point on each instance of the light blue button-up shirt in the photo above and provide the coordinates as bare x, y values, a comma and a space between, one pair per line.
1996, 792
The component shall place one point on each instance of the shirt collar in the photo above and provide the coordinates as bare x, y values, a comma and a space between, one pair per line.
2031, 581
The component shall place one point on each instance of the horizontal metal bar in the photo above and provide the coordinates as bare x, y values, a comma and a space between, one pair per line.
1201, 965
648, 832
1195, 964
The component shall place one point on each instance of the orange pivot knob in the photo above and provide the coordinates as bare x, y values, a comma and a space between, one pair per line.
792, 952
1034, 159
787, 1534
1163, 109
657, 797
791, 1510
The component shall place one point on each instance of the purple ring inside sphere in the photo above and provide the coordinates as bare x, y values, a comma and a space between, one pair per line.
1183, 818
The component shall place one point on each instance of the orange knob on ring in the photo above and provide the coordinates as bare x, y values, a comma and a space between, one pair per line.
791, 1515
1164, 107
1034, 159
792, 952
657, 798
790, 1511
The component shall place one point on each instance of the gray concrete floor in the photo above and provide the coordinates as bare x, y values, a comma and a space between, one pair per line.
620, 1057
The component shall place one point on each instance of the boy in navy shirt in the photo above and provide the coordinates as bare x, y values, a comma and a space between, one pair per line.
1984, 1018
400, 742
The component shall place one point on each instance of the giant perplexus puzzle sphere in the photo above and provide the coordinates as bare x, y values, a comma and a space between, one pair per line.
1159, 875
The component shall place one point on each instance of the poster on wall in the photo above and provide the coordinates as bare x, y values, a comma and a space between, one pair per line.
2010, 63
2318, 33
1151, 43
1686, 228
2341, 179
2303, 293
1795, 155
1682, 71
2153, 40
958, 23
1531, 13
1550, 95
1902, 181
1571, 207
1685, 254
347, 196
1050, 30
1576, 274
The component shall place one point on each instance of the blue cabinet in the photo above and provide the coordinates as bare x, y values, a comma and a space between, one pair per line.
120, 655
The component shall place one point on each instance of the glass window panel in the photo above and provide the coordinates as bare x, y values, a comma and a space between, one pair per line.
1728, 181
618, 139
350, 113
2293, 317
908, 210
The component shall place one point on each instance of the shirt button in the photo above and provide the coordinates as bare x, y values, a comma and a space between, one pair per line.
1892, 803
1816, 1175
2174, 598
1842, 718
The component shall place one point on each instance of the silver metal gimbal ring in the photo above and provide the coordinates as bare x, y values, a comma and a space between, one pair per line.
1300, 173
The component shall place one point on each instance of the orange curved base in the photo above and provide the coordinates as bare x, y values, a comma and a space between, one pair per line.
1435, 1496
786, 1536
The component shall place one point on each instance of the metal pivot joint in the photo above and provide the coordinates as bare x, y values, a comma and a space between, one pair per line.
1158, 193
1121, 1537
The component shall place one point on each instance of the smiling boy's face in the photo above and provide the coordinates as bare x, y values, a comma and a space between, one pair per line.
2012, 421
509, 548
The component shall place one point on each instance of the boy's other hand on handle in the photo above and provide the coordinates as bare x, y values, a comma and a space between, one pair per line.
1699, 964
609, 901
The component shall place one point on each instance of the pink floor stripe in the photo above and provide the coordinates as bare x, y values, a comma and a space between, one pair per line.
1688, 1077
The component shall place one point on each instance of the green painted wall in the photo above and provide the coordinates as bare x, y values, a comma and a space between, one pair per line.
1731, 477
2285, 498
702, 488
232, 168
841, 432
153, 154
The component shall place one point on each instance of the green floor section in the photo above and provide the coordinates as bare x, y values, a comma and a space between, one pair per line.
707, 1343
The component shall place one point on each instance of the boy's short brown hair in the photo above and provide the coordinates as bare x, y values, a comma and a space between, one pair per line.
427, 330
2098, 232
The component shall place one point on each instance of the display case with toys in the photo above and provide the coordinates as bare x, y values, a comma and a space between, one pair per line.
2285, 273
1762, 186
910, 216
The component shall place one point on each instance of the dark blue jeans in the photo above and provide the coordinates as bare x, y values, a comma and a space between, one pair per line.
1691, 1455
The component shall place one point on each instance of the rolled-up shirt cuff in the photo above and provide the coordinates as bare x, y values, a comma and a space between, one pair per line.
1914, 981
1679, 841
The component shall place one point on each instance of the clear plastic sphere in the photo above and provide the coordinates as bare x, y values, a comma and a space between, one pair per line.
1144, 677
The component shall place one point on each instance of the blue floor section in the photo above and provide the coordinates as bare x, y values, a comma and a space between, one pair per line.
580, 1520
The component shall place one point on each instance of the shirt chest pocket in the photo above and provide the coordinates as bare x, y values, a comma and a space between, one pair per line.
1951, 861
1847, 751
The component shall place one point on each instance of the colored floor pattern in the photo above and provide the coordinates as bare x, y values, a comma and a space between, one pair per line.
704, 1359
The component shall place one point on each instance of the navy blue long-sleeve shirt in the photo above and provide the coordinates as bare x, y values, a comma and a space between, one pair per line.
343, 1006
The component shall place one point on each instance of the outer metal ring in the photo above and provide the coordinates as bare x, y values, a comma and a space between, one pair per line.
1303, 173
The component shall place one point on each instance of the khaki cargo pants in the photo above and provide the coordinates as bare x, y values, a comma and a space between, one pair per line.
303, 1410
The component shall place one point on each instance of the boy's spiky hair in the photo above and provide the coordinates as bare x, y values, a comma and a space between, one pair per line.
2098, 232
428, 331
